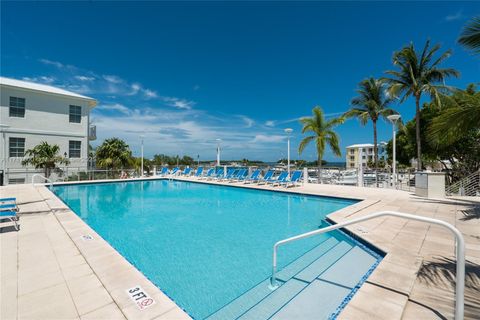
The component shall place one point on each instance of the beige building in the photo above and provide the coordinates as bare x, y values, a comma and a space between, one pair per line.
363, 153
31, 113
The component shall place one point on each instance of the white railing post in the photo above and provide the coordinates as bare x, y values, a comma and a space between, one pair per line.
460, 250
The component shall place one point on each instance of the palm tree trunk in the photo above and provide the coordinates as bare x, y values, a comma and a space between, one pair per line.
375, 151
319, 169
417, 131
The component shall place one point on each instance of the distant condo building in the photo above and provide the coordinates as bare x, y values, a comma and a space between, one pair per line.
31, 113
363, 153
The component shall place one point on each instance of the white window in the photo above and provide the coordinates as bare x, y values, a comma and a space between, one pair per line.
16, 147
17, 107
75, 114
74, 149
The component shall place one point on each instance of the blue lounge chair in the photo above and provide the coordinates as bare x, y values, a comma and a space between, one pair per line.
9, 210
199, 172
7, 204
296, 176
230, 174
163, 172
254, 177
209, 174
266, 177
240, 176
174, 171
186, 171
218, 175
281, 178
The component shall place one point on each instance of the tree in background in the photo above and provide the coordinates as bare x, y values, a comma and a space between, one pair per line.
470, 37
371, 104
460, 115
418, 74
44, 156
322, 134
113, 153
459, 153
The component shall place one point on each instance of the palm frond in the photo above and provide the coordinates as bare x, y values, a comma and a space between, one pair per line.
470, 37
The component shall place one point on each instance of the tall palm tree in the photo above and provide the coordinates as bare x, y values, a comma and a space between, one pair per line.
113, 153
470, 37
417, 74
44, 156
371, 104
321, 134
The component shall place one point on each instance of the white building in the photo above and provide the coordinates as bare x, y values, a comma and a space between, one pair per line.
31, 113
363, 153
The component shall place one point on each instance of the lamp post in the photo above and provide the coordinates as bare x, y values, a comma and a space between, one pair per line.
393, 119
218, 151
142, 137
288, 131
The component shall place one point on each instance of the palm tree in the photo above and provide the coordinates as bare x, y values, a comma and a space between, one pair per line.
371, 104
470, 37
113, 153
322, 134
44, 156
419, 74
461, 115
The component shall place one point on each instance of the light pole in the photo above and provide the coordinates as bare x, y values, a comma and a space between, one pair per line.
218, 151
142, 137
393, 119
288, 131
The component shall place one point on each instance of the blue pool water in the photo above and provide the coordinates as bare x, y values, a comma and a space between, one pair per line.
203, 245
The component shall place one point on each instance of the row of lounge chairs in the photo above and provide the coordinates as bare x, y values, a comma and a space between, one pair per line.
9, 210
238, 175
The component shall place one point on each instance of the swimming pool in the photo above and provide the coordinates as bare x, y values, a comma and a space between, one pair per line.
203, 245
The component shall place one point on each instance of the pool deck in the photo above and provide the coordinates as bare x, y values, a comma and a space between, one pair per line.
49, 271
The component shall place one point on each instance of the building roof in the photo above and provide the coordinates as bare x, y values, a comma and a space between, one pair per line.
44, 88
365, 145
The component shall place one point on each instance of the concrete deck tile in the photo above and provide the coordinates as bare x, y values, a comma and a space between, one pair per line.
30, 282
50, 303
91, 300
108, 312
372, 302
174, 314
162, 306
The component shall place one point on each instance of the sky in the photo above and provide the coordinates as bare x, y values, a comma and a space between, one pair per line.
184, 74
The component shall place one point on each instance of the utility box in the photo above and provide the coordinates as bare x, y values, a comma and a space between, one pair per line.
430, 184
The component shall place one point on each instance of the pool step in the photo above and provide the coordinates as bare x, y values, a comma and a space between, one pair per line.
327, 291
238, 306
328, 252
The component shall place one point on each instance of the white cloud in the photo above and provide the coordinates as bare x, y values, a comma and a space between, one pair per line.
456, 16
116, 106
179, 103
112, 78
150, 93
53, 63
268, 138
270, 123
41, 79
248, 121
84, 78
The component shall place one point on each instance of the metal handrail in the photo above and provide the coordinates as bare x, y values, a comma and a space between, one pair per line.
45, 178
460, 250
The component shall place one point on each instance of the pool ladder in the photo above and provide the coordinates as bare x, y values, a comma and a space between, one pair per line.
460, 250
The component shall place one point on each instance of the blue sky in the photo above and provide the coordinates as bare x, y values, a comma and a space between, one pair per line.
186, 73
